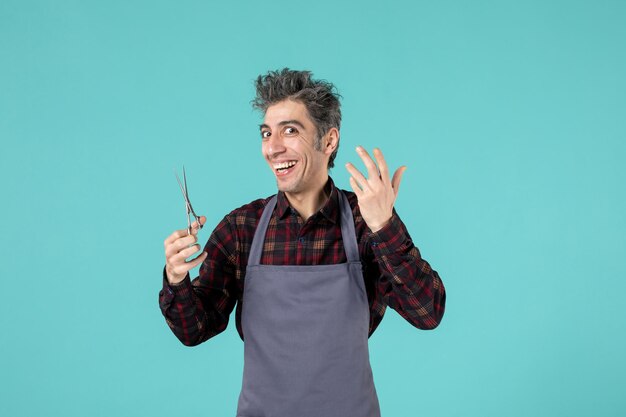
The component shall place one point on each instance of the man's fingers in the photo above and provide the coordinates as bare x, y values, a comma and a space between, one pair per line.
359, 178
187, 252
182, 268
195, 226
184, 232
397, 177
177, 234
180, 258
181, 243
355, 187
372, 170
382, 166
196, 261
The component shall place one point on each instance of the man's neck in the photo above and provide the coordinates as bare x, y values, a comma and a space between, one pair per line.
311, 201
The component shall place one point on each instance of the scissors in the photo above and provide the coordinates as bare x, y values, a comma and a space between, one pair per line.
183, 188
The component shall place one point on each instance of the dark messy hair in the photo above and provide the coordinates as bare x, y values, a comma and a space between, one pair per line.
320, 98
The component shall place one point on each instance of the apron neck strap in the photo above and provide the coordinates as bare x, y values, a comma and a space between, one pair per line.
347, 229
259, 234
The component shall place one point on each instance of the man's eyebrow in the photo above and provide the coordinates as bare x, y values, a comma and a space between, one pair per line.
283, 123
291, 122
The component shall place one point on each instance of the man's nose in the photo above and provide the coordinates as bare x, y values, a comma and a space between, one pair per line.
275, 145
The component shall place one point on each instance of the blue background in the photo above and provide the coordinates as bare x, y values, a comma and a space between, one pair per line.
509, 115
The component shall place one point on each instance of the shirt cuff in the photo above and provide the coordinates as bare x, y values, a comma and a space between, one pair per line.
181, 291
390, 239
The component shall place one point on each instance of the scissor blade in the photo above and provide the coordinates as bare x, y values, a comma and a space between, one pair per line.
182, 188
185, 182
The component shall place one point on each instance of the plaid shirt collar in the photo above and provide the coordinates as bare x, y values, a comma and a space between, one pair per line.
330, 210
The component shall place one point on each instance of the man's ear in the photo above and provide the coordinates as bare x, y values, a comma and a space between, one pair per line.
331, 141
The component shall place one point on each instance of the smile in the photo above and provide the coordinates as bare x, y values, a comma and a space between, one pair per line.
284, 168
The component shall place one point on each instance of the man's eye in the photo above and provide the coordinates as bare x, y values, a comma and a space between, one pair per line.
290, 130
265, 134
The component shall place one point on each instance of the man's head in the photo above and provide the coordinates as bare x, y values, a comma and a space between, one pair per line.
300, 130
319, 97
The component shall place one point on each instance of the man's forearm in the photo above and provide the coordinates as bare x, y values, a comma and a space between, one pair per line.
411, 286
185, 315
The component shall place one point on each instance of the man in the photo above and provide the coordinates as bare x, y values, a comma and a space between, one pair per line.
311, 269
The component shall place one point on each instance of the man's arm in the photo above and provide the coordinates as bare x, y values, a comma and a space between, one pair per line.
407, 282
198, 310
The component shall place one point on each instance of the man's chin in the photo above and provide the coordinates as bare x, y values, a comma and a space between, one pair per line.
284, 187
287, 186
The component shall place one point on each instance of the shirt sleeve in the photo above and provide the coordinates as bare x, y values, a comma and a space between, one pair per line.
407, 282
198, 310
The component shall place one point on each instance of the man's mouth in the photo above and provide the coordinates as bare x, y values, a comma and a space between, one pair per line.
284, 168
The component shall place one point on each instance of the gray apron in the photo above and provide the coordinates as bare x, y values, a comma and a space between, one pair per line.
305, 330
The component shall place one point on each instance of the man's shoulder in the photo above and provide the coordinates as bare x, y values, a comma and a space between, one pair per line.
251, 211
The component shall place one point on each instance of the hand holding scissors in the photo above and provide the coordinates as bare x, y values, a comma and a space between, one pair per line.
182, 244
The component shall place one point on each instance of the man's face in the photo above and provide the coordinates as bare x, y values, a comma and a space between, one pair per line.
288, 136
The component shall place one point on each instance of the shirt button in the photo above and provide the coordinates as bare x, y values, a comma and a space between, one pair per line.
374, 244
301, 240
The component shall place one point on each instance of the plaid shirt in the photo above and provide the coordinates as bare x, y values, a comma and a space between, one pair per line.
395, 274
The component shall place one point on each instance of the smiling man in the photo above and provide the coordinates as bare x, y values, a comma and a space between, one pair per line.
310, 269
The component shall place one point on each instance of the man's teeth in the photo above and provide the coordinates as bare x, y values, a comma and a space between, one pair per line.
284, 165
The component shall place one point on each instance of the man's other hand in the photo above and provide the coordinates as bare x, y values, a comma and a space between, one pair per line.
178, 247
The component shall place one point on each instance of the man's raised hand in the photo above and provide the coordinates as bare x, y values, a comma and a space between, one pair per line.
377, 193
